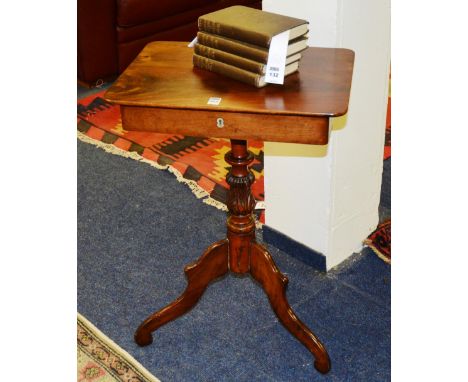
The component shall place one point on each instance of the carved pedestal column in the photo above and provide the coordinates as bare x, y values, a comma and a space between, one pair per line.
241, 202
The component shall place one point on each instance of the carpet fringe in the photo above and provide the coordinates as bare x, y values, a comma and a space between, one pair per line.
116, 348
194, 187
374, 249
110, 148
213, 202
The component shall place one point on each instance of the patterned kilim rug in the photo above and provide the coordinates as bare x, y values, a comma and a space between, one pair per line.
101, 360
197, 162
380, 241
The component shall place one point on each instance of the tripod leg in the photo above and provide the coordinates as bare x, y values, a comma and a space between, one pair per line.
264, 270
210, 266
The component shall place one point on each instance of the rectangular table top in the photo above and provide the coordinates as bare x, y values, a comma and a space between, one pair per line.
163, 79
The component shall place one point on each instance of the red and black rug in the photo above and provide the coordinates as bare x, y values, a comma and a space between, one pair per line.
380, 241
197, 162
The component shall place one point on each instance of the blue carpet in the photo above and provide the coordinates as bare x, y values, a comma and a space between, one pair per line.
138, 228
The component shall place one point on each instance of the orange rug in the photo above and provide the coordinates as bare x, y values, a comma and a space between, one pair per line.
197, 162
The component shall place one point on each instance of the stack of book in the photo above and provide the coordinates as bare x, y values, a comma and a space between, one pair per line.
235, 42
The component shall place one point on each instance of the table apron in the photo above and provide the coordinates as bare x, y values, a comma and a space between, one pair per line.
231, 125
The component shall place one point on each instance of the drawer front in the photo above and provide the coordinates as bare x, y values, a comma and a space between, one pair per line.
231, 125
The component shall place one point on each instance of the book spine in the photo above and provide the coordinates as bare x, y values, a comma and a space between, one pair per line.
226, 70
231, 59
249, 36
253, 53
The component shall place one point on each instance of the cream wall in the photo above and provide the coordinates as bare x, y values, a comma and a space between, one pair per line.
327, 197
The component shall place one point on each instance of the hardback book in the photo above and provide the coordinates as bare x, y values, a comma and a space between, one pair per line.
240, 62
243, 49
251, 25
255, 79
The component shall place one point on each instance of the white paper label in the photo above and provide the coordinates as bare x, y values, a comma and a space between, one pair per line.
214, 101
277, 58
260, 205
194, 41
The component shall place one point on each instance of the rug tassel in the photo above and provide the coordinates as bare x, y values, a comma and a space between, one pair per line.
212, 202
194, 187
110, 148
379, 254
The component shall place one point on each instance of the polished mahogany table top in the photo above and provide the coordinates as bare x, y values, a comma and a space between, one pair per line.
162, 81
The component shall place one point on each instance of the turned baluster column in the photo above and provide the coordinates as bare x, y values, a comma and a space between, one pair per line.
240, 203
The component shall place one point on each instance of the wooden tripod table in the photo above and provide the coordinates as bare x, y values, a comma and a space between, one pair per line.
162, 92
